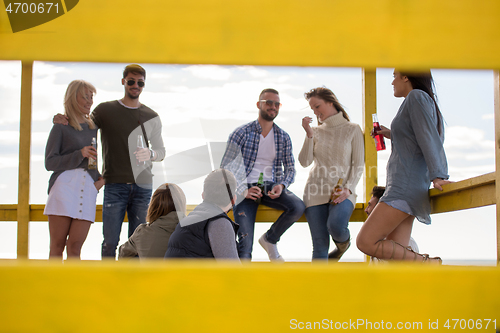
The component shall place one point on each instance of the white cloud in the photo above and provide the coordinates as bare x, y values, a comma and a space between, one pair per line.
160, 76
9, 161
466, 137
9, 138
488, 116
212, 72
42, 69
254, 71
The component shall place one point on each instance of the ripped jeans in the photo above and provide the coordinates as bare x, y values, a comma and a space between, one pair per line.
246, 210
118, 199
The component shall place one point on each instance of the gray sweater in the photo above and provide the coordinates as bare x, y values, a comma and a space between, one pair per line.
63, 150
417, 155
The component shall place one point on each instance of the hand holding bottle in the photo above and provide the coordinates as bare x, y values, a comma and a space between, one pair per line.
339, 193
89, 152
379, 138
254, 193
93, 159
142, 153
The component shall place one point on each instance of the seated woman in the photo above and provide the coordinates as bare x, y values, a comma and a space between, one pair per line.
208, 232
150, 240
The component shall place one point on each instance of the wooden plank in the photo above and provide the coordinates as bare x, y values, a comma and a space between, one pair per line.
369, 108
23, 209
496, 93
264, 214
363, 33
468, 193
204, 296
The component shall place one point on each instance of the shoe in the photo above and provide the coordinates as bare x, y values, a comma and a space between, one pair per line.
340, 250
416, 256
271, 249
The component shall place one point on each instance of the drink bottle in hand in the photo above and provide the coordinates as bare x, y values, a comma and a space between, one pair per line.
140, 145
92, 160
337, 190
260, 184
379, 138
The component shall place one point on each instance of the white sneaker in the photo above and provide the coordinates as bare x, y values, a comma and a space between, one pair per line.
271, 249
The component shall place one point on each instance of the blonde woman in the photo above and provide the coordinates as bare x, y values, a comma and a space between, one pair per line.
150, 240
72, 186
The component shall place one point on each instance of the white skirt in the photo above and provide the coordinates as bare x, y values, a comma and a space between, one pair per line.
74, 195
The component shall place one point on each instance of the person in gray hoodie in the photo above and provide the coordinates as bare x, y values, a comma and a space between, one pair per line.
208, 232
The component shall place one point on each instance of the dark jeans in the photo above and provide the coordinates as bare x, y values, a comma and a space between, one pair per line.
118, 199
246, 210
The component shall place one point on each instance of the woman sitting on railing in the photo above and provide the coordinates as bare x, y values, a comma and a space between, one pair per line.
73, 185
150, 240
417, 158
337, 149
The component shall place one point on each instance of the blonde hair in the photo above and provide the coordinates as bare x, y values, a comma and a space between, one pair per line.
167, 198
71, 106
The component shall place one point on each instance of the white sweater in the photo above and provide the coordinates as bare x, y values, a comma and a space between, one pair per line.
337, 149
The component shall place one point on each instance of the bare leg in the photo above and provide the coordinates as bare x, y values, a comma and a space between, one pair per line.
77, 234
58, 230
384, 233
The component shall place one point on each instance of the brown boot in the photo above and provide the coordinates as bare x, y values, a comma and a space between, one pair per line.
340, 250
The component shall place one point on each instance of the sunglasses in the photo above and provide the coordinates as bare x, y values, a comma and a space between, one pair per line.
271, 103
132, 82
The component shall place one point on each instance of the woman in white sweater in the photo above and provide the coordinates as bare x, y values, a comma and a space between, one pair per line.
337, 150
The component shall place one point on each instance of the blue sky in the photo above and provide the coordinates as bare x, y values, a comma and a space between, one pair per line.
200, 103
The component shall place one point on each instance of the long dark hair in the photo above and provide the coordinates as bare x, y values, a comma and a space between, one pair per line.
425, 82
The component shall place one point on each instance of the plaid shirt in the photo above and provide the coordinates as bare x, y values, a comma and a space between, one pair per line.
241, 152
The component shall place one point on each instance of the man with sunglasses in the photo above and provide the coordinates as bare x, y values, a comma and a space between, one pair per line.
261, 147
126, 168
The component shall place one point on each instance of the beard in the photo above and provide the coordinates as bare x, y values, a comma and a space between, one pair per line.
264, 115
129, 95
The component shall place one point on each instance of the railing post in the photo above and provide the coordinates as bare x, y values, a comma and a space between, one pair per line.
496, 92
23, 204
369, 108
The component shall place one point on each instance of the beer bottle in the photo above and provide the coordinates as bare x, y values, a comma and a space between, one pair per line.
337, 190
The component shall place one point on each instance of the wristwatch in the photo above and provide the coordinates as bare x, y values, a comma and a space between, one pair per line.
152, 155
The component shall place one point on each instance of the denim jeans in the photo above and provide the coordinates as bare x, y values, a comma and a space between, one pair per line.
246, 210
118, 199
328, 220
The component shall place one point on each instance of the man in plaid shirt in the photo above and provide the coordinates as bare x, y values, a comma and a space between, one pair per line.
262, 148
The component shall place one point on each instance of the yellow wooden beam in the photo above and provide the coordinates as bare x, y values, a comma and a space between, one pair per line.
23, 209
203, 296
369, 108
364, 33
468, 193
496, 92
264, 214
